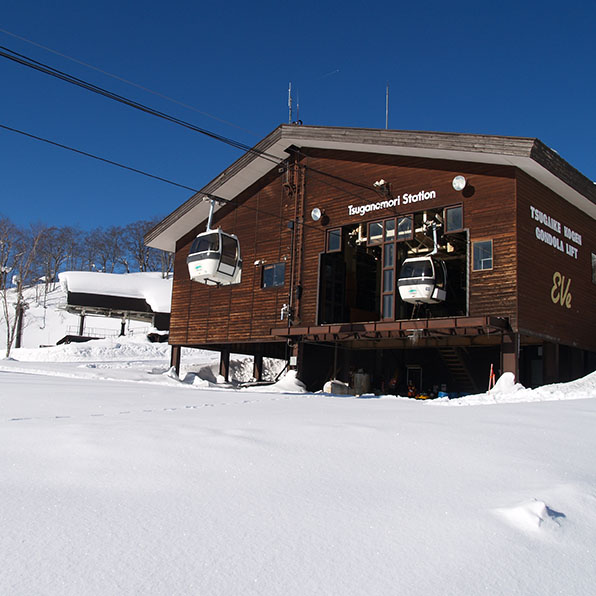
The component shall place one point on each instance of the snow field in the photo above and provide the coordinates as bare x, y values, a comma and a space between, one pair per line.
120, 479
127, 488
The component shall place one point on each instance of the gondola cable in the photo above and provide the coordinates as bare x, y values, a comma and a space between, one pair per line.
49, 70
123, 80
207, 195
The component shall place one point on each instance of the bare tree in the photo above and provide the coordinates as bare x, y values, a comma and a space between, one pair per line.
167, 262
104, 249
17, 259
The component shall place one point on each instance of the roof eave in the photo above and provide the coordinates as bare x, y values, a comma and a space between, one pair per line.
528, 154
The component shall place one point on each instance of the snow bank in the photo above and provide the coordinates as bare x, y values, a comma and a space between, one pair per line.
289, 383
151, 287
97, 350
507, 390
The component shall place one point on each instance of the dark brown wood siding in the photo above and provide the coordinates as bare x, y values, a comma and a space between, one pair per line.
245, 313
540, 262
489, 213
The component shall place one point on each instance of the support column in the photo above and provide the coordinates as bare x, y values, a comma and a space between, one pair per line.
297, 359
550, 363
510, 354
224, 365
175, 355
82, 323
577, 363
257, 371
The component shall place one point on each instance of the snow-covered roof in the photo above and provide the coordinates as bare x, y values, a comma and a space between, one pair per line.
528, 154
151, 287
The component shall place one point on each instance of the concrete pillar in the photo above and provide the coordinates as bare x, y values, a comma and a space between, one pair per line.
510, 354
175, 355
224, 365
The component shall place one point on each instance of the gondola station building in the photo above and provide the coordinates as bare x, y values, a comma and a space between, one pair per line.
390, 258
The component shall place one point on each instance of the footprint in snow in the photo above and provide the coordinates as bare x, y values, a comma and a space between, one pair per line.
531, 516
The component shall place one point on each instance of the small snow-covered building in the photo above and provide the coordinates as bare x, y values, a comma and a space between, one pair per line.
401, 256
142, 296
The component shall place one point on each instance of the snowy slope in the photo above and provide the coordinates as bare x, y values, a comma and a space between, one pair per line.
161, 487
120, 479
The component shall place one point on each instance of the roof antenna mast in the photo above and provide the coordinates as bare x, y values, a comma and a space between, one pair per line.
387, 107
290, 103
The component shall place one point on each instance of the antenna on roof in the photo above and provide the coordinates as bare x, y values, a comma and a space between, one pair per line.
290, 103
387, 107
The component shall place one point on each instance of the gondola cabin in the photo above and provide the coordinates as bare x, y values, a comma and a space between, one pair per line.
214, 259
422, 280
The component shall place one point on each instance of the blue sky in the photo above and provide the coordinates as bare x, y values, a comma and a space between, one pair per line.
508, 68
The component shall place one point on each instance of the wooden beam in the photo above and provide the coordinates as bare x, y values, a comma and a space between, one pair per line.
175, 355
510, 353
224, 365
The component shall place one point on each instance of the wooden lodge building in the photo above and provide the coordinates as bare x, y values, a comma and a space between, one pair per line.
326, 219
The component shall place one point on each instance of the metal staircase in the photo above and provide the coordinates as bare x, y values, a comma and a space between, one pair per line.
457, 362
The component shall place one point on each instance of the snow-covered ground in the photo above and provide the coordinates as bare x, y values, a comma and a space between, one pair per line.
118, 479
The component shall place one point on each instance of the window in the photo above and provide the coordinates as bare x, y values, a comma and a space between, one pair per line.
389, 230
375, 232
205, 243
229, 250
388, 253
405, 227
454, 219
482, 255
421, 268
334, 240
593, 268
388, 268
274, 275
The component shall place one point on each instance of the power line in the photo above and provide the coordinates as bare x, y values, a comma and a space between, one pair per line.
86, 154
36, 65
154, 177
123, 80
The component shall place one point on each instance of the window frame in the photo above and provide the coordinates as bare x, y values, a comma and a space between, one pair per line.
378, 239
460, 229
399, 238
272, 267
492, 254
329, 232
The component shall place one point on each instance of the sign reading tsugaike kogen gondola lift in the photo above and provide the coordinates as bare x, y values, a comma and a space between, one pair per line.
565, 244
405, 199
